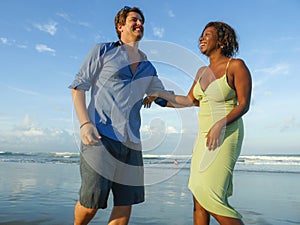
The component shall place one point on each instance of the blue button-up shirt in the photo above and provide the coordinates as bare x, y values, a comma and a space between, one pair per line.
116, 92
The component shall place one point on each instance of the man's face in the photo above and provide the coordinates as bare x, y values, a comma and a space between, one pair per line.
133, 29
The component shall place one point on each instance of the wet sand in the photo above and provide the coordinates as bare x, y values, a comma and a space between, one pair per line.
36, 193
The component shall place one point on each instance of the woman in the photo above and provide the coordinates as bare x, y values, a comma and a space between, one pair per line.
223, 91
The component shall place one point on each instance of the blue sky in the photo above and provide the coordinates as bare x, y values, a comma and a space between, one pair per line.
43, 43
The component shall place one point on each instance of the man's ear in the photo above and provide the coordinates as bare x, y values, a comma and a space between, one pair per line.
119, 26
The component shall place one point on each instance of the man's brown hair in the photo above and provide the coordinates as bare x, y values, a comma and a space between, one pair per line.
122, 15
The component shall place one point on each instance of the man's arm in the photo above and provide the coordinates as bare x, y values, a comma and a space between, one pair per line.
88, 132
169, 99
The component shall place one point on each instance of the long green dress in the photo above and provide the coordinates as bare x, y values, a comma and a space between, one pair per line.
211, 171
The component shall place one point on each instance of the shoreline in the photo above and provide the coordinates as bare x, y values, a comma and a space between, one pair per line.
45, 194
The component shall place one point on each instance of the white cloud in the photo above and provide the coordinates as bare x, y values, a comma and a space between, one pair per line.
171, 14
4, 40
31, 137
24, 91
158, 32
33, 132
289, 122
73, 57
278, 69
21, 46
50, 27
172, 130
65, 16
268, 93
85, 24
26, 121
159, 128
44, 48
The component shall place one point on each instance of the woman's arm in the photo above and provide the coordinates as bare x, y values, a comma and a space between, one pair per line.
243, 85
176, 101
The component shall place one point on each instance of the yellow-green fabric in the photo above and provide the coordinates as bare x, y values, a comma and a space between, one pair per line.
211, 171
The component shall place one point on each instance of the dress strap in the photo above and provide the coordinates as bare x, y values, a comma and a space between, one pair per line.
202, 73
227, 65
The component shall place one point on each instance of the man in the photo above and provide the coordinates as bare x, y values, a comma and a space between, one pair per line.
119, 75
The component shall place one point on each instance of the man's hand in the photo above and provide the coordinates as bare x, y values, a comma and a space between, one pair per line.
148, 101
89, 134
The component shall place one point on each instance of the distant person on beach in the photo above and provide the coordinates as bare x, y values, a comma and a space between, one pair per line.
223, 91
119, 76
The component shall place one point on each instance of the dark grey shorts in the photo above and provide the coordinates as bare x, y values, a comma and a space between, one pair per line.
111, 165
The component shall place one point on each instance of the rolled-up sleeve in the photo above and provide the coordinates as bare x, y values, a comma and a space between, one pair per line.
155, 85
89, 69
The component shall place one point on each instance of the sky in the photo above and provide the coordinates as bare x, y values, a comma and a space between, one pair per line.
43, 43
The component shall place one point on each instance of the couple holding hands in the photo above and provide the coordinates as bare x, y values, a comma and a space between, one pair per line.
119, 76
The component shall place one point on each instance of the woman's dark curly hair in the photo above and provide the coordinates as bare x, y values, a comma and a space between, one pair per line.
226, 37
122, 15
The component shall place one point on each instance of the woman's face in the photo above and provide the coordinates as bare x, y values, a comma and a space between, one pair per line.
208, 42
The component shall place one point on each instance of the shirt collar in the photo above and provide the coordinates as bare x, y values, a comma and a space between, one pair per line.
120, 43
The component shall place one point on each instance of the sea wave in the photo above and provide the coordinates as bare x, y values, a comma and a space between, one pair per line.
258, 163
289, 160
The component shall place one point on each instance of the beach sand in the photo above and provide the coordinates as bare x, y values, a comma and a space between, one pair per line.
37, 193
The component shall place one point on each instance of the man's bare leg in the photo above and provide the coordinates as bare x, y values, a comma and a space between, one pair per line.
82, 215
120, 215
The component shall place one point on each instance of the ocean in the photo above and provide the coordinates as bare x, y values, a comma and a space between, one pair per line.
42, 189
276, 163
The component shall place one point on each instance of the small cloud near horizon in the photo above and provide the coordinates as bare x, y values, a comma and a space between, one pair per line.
30, 136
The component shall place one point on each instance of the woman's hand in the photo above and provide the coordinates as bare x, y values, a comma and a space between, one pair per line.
89, 134
214, 138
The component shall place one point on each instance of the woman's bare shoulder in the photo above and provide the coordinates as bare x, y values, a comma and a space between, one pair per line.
200, 72
237, 62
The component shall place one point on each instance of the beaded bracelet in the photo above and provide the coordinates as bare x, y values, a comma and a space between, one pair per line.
87, 122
